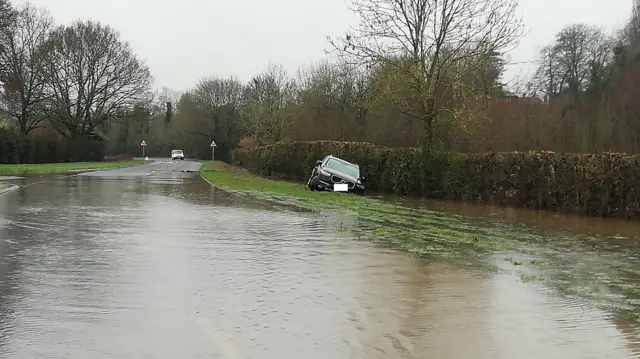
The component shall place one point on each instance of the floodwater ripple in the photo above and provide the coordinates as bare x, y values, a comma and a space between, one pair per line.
135, 269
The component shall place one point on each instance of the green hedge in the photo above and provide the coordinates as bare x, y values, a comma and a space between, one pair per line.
49, 148
605, 184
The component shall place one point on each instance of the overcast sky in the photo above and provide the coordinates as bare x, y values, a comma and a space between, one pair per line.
183, 41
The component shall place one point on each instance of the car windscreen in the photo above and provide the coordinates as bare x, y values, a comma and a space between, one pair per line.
177, 152
343, 167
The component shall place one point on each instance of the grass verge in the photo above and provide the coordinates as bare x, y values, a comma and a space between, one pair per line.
225, 176
47, 168
419, 231
566, 261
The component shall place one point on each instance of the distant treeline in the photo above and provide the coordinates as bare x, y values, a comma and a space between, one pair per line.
441, 91
573, 104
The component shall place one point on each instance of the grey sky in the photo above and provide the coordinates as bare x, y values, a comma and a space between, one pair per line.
183, 41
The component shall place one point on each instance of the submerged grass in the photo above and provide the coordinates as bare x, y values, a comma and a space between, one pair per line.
47, 168
565, 261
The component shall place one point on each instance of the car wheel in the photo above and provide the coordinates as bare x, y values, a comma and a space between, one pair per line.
313, 183
313, 173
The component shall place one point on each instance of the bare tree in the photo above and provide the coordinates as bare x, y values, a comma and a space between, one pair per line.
219, 101
583, 52
549, 79
210, 112
163, 103
216, 91
168, 95
6, 19
266, 99
578, 61
632, 30
426, 41
91, 73
7, 14
345, 89
22, 92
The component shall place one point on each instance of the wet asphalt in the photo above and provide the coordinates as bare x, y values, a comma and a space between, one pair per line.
155, 168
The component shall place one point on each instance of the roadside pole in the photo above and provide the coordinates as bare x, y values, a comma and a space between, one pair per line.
143, 144
213, 151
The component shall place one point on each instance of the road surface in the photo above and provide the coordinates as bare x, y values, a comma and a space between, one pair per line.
157, 168
152, 262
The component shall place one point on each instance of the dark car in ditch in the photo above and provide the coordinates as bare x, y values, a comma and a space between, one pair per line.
336, 175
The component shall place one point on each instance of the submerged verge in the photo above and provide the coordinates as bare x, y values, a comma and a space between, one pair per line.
569, 262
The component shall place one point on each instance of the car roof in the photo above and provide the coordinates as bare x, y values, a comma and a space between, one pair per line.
341, 160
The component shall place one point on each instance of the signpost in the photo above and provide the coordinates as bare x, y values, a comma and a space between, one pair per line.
143, 144
213, 150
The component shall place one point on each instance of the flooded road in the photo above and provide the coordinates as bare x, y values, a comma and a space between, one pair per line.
152, 262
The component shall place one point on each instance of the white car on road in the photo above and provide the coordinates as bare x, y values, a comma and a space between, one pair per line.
177, 155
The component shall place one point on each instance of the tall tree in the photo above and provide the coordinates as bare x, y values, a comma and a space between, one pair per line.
266, 99
6, 19
91, 73
579, 60
219, 101
168, 114
434, 40
7, 14
22, 91
166, 101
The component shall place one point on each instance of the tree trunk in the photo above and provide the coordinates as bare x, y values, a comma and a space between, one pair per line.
427, 135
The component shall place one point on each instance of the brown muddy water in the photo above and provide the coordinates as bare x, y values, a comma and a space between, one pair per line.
543, 220
165, 266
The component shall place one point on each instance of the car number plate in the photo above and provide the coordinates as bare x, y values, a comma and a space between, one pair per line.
340, 187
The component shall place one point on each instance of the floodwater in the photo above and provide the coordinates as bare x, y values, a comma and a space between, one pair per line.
599, 227
165, 266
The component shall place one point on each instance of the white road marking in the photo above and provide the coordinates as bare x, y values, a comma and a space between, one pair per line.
168, 164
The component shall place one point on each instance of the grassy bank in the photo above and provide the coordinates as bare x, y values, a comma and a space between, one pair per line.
225, 176
497, 247
591, 184
46, 168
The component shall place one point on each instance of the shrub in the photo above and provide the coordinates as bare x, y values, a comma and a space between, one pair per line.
92, 147
605, 184
49, 147
246, 142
